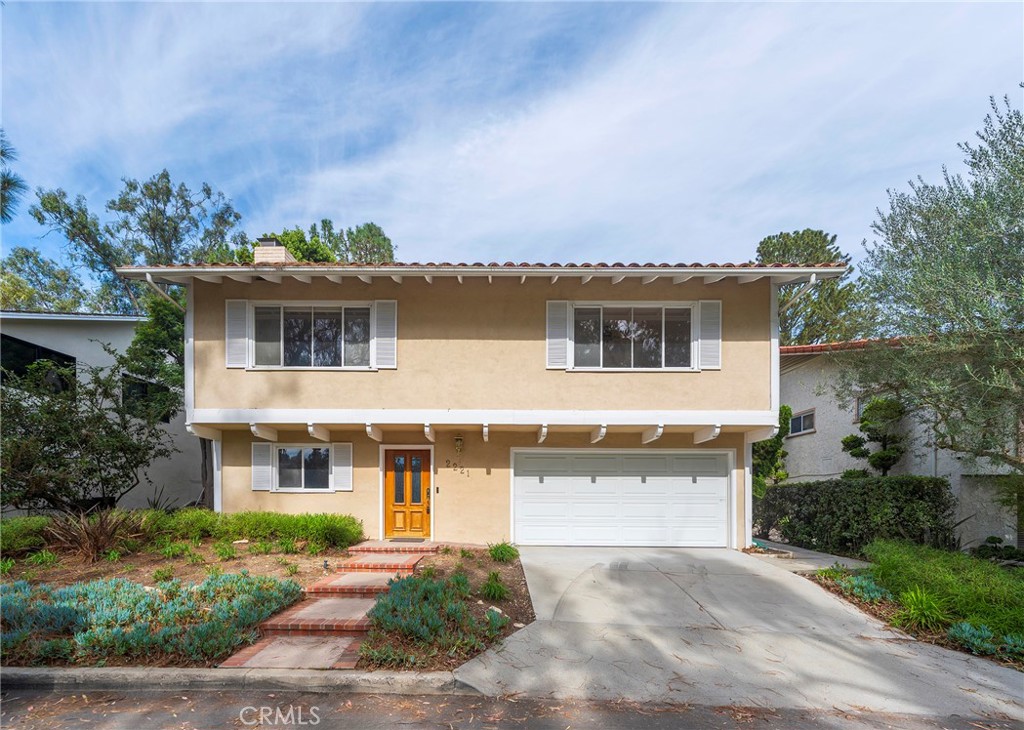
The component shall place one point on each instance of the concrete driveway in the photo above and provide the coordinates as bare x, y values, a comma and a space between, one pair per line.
718, 627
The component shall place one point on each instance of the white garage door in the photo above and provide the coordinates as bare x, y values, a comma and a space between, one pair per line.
628, 498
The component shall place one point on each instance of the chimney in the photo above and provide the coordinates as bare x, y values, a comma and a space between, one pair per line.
271, 251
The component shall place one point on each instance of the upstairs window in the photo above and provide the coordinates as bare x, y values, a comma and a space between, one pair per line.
802, 423
141, 398
311, 336
616, 337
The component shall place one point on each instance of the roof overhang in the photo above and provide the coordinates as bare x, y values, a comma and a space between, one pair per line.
72, 316
304, 272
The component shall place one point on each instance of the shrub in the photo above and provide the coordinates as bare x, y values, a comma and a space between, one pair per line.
315, 547
225, 551
843, 515
493, 589
465, 554
339, 531
460, 584
261, 547
976, 639
428, 572
864, 588
386, 655
1013, 646
112, 556
503, 552
194, 558
19, 535
6, 566
291, 569
93, 535
836, 571
495, 623
993, 549
921, 610
214, 571
175, 550
972, 590
43, 559
287, 546
116, 619
162, 574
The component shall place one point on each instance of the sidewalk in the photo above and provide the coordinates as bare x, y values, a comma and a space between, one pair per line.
803, 560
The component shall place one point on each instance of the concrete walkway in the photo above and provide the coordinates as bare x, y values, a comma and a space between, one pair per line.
718, 627
803, 560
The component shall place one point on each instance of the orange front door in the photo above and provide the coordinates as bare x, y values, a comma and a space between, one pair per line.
406, 493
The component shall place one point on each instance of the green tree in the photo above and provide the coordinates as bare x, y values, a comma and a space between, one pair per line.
880, 423
150, 222
769, 465
830, 312
947, 275
31, 282
368, 243
77, 447
12, 186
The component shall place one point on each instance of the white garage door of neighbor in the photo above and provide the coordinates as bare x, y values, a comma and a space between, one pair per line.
674, 499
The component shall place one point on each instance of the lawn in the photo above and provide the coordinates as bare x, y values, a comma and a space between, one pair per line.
460, 602
946, 597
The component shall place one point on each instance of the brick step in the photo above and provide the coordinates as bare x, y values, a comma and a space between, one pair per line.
299, 652
380, 563
395, 548
365, 584
322, 616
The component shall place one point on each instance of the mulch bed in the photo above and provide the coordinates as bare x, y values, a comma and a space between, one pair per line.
139, 567
886, 610
476, 564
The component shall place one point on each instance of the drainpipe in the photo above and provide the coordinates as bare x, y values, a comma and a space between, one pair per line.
152, 285
806, 288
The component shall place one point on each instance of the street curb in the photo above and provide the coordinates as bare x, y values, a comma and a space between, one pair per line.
241, 678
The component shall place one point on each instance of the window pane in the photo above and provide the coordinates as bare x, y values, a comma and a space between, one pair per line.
808, 422
327, 337
415, 476
587, 337
647, 337
617, 346
357, 336
794, 424
677, 338
317, 462
268, 335
298, 329
289, 468
399, 480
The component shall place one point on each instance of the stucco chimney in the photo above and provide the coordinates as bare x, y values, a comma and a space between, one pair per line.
271, 251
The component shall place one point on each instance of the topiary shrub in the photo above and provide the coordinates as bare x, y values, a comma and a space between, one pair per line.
843, 515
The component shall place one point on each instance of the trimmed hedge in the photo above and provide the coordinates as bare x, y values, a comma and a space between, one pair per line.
331, 530
843, 515
21, 534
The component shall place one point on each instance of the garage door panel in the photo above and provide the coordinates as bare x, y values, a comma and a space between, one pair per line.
622, 499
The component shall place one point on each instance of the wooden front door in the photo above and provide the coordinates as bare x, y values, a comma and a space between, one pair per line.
407, 493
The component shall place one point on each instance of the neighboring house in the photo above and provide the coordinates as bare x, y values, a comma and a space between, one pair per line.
542, 404
69, 339
820, 423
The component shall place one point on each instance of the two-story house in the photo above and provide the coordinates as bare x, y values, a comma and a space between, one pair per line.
542, 404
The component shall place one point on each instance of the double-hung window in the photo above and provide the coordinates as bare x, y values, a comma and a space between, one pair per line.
622, 337
311, 336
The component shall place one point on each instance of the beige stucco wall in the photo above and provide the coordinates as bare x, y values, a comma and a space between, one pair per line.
474, 501
482, 346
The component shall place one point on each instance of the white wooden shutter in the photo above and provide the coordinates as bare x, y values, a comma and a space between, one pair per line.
710, 335
262, 466
385, 334
236, 332
558, 335
341, 456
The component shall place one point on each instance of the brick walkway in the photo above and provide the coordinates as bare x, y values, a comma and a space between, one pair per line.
327, 627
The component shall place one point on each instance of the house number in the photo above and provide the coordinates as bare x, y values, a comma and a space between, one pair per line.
456, 467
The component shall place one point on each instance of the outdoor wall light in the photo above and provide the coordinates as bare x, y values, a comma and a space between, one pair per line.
458, 444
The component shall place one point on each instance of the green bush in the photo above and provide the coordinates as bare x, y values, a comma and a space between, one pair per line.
225, 551
921, 610
970, 589
493, 589
43, 559
503, 552
163, 574
6, 566
836, 571
843, 515
332, 530
115, 619
20, 535
175, 550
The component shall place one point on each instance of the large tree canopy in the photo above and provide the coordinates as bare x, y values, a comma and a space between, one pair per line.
12, 186
31, 282
366, 243
946, 277
829, 312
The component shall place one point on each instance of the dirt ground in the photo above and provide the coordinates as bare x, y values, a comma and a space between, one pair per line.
140, 567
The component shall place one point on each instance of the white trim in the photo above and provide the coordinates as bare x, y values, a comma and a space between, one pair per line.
708, 433
651, 435
748, 495
267, 433
203, 432
360, 418
434, 473
320, 433
730, 454
218, 484
72, 316
774, 400
190, 354
598, 433
374, 432
800, 415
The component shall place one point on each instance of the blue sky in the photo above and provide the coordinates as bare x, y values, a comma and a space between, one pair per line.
534, 131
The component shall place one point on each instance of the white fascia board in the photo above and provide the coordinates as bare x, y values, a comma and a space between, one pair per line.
72, 317
358, 418
791, 275
190, 357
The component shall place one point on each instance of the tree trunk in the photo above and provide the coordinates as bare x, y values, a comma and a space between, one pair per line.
206, 471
